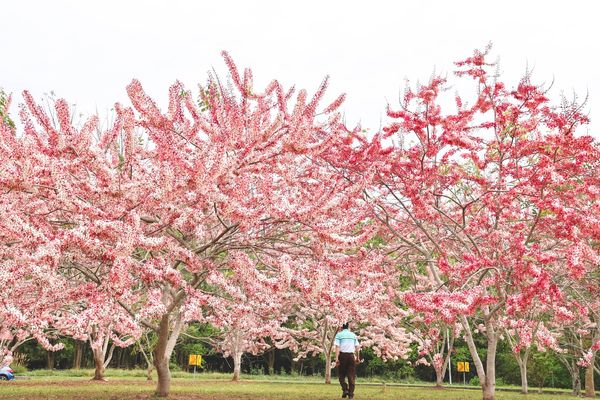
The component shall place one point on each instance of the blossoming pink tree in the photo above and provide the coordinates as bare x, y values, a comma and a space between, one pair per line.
581, 336
488, 198
342, 288
251, 307
149, 208
30, 295
29, 311
103, 323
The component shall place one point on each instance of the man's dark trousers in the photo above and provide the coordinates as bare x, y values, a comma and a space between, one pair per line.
347, 368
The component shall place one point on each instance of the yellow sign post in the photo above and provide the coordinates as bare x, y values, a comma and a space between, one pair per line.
463, 366
195, 360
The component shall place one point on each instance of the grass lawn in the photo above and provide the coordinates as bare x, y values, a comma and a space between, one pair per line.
217, 387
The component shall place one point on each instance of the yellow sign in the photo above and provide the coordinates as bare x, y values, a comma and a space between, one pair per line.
462, 366
195, 359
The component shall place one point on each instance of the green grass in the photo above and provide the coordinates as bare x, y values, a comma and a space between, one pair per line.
140, 373
219, 387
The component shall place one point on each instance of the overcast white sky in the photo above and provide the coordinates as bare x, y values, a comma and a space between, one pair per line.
88, 51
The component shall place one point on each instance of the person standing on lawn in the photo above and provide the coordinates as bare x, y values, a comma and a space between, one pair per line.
347, 355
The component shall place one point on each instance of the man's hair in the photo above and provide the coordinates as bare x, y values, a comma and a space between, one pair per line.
345, 325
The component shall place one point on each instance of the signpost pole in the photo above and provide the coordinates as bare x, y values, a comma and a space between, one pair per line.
449, 359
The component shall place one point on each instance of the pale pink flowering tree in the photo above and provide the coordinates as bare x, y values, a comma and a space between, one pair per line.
250, 308
42, 232
435, 340
158, 202
103, 323
340, 288
28, 310
31, 296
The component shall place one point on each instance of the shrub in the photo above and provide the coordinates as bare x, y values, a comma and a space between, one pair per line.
475, 381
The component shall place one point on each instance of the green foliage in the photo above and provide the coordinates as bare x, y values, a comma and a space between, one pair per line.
6, 120
18, 369
374, 366
196, 340
501, 382
507, 368
543, 366
19, 363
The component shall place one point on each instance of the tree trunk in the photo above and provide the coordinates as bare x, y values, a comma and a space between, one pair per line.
487, 376
270, 361
120, 358
489, 391
523, 371
576, 379
439, 377
78, 354
473, 348
489, 385
590, 390
167, 339
148, 357
149, 372
161, 359
50, 360
328, 368
444, 368
164, 376
99, 364
237, 365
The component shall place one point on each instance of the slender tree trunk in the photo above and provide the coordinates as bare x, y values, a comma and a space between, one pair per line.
149, 372
99, 364
576, 379
439, 378
328, 367
474, 355
440, 372
590, 390
489, 385
149, 363
271, 361
237, 365
50, 360
522, 360
120, 357
78, 354
523, 371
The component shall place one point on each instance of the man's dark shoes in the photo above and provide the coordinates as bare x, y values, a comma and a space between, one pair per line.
344, 395
351, 396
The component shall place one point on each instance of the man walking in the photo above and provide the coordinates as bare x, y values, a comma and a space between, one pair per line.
346, 345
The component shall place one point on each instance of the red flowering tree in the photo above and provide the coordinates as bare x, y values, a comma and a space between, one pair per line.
486, 200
